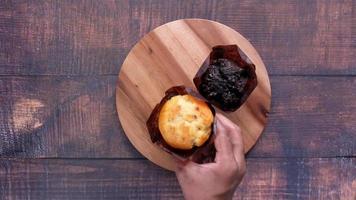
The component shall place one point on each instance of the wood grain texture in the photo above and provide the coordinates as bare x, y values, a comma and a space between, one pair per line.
90, 37
328, 178
303, 123
52, 116
313, 116
60, 117
171, 55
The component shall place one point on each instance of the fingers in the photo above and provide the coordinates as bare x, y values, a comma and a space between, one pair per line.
233, 131
235, 138
229, 148
223, 145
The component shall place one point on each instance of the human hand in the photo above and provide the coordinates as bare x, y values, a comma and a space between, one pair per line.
217, 180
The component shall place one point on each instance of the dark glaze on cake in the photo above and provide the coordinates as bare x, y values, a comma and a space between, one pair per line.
225, 79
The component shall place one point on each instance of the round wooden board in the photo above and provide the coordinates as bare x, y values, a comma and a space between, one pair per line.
171, 55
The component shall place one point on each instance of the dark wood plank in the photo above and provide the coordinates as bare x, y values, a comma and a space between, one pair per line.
128, 179
51, 116
60, 117
93, 37
310, 116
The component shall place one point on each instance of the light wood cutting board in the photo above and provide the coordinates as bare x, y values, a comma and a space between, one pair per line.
171, 55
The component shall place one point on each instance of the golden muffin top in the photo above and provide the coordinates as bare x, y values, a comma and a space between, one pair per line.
185, 121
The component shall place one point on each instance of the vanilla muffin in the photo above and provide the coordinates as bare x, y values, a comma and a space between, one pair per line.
185, 122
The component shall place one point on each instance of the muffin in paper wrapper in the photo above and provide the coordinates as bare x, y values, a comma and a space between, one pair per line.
202, 154
225, 79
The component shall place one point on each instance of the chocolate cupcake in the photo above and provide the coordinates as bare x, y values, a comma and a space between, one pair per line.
225, 79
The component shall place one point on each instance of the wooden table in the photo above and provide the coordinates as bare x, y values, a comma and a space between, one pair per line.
59, 132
